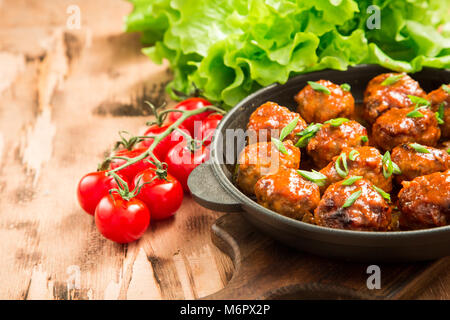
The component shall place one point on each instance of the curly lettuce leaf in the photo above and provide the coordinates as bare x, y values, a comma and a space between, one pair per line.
229, 49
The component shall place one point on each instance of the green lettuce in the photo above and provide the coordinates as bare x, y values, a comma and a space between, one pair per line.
229, 49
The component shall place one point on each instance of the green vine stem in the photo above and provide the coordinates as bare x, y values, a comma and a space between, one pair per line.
157, 138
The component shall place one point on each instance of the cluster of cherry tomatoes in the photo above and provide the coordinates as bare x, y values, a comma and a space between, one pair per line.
128, 191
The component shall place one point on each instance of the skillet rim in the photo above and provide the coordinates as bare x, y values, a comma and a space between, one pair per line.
231, 189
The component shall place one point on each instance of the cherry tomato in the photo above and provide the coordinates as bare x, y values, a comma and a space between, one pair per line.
181, 161
120, 220
208, 127
163, 147
131, 171
92, 188
191, 104
162, 197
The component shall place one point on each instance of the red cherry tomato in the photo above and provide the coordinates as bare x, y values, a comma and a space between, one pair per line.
162, 197
131, 171
92, 188
209, 125
181, 161
163, 147
188, 105
120, 220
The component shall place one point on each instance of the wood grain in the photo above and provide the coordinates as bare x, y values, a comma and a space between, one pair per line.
51, 133
265, 269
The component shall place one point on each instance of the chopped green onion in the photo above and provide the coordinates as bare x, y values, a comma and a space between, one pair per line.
387, 162
314, 176
351, 200
336, 122
353, 154
318, 87
280, 146
419, 148
346, 87
448, 150
418, 101
383, 193
446, 88
391, 79
351, 180
342, 172
415, 114
440, 114
288, 129
308, 133
312, 128
396, 168
364, 138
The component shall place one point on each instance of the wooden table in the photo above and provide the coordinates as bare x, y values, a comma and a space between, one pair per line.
65, 93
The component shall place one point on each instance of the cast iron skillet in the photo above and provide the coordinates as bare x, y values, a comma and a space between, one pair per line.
212, 186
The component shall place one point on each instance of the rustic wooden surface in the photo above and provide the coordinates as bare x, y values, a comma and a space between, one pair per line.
265, 269
64, 94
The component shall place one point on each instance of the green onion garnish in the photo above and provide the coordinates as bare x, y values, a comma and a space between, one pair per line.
364, 138
288, 129
314, 176
308, 133
440, 114
351, 180
419, 148
280, 146
336, 122
387, 162
415, 114
318, 87
396, 168
346, 87
418, 101
342, 172
351, 200
391, 79
353, 154
446, 88
384, 194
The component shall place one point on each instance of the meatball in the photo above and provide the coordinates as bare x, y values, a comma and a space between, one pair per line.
380, 96
414, 163
330, 140
318, 106
396, 126
367, 162
369, 212
263, 158
272, 118
437, 98
425, 201
287, 193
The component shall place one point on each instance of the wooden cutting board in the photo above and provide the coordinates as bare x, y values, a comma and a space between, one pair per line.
265, 269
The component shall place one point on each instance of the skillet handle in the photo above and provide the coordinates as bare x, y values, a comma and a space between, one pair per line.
208, 192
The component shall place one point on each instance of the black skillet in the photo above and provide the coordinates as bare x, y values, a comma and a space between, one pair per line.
212, 186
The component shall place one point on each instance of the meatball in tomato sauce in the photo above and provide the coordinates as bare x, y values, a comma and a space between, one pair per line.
287, 193
363, 161
263, 158
387, 91
358, 206
269, 119
324, 101
425, 201
440, 102
416, 160
398, 126
332, 138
